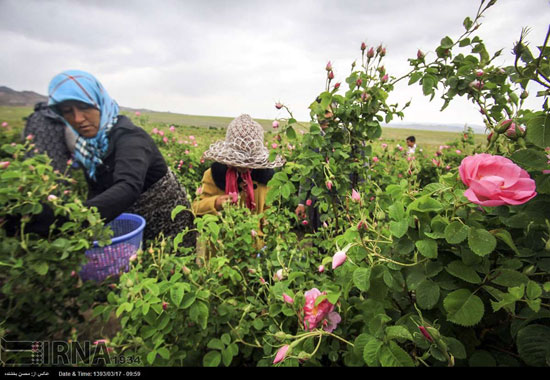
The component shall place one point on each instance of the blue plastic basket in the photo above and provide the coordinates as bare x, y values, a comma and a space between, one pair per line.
112, 259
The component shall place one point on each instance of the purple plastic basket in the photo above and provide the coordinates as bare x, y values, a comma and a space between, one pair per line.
114, 258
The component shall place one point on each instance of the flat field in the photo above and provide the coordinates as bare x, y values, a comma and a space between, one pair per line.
213, 127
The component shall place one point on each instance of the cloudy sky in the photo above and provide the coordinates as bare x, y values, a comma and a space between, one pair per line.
224, 58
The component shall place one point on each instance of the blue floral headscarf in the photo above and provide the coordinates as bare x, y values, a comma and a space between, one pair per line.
84, 87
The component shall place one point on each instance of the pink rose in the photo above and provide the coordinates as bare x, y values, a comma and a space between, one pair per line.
4, 164
305, 222
278, 105
331, 75
375, 159
370, 53
275, 124
495, 181
281, 354
329, 66
253, 233
5, 124
363, 46
337, 86
274, 146
384, 145
333, 318
172, 128
321, 268
308, 202
165, 139
138, 113
384, 78
329, 185
52, 197
313, 315
161, 133
419, 54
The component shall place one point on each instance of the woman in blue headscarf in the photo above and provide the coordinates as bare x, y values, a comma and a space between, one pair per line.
123, 167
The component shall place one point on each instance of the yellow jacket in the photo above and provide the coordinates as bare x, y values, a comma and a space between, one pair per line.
210, 192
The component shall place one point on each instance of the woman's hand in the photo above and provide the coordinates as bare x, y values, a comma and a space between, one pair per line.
221, 200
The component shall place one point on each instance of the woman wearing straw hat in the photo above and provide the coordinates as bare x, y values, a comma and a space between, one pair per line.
123, 167
241, 167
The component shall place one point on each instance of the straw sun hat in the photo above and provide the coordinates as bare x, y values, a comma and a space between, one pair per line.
243, 146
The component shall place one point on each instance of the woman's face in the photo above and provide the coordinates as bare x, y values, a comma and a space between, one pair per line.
84, 118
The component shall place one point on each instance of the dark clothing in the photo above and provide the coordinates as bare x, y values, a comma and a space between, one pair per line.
132, 164
48, 131
262, 176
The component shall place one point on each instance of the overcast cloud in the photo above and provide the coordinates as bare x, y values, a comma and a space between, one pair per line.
224, 58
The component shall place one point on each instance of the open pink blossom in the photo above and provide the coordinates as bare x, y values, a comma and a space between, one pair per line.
375, 159
495, 181
155, 131
138, 113
4, 124
281, 354
313, 315
274, 146
331, 322
308, 202
172, 128
4, 164
275, 124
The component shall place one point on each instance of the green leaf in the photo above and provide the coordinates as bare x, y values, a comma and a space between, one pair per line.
360, 342
41, 268
215, 344
428, 83
458, 269
506, 237
176, 211
394, 356
372, 351
164, 353
533, 290
427, 294
361, 279
188, 300
446, 42
456, 232
226, 339
290, 133
533, 344
425, 204
538, 130
530, 159
176, 293
398, 229
212, 359
455, 347
227, 357
398, 332
467, 23
463, 307
482, 358
509, 278
427, 247
481, 241
151, 356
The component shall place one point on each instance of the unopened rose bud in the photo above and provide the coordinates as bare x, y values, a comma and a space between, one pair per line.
359, 82
419, 54
330, 75
308, 202
524, 94
186, 270
305, 222
164, 306
52, 198
479, 73
133, 258
253, 233
29, 137
329, 185
321, 268
384, 78
425, 333
329, 66
370, 53
337, 85
275, 124
4, 164
274, 146
278, 105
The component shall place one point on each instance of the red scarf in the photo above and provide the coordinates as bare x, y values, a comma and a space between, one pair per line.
232, 187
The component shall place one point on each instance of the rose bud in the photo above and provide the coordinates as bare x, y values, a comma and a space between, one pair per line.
305, 222
4, 164
321, 268
337, 85
363, 46
384, 78
359, 82
330, 75
164, 305
419, 54
275, 124
329, 185
278, 105
425, 333
370, 53
329, 66
308, 202
253, 233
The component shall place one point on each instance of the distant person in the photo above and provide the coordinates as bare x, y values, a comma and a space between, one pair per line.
50, 135
123, 167
411, 143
